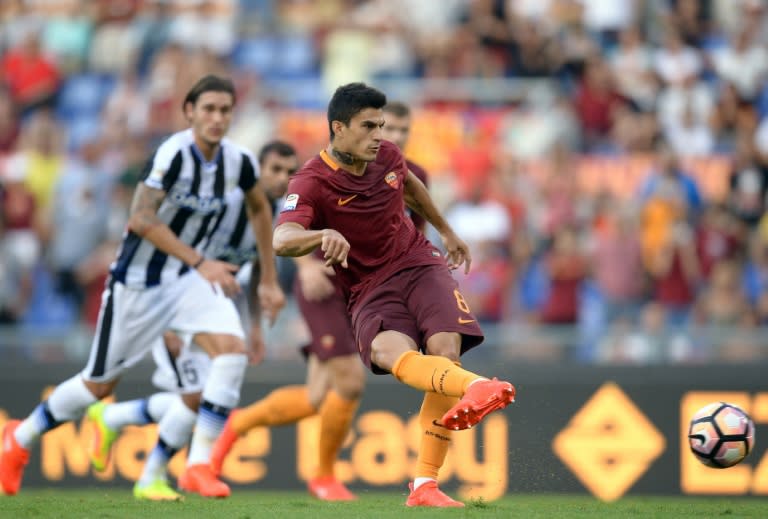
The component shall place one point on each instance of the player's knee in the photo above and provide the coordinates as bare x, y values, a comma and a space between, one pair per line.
349, 378
385, 355
100, 389
316, 395
350, 388
192, 401
388, 346
445, 344
316, 401
227, 345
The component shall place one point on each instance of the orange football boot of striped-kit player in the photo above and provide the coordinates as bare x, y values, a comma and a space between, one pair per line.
13, 459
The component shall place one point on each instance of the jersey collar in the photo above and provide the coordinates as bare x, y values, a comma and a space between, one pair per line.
329, 161
202, 159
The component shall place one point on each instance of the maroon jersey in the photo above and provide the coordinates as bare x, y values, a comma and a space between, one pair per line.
368, 211
417, 170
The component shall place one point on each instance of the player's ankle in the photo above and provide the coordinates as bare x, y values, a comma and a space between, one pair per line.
478, 379
417, 482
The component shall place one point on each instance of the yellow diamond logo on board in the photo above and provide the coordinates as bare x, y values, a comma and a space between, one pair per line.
609, 443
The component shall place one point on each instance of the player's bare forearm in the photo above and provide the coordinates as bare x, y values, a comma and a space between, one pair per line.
254, 305
418, 200
260, 215
143, 213
143, 220
291, 239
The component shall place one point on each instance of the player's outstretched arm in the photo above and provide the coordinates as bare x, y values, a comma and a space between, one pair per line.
418, 199
271, 296
143, 220
256, 348
313, 278
291, 239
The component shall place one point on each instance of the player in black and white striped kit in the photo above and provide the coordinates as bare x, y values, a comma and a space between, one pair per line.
161, 281
182, 366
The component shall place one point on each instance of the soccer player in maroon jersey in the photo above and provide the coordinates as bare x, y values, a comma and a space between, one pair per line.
335, 377
408, 316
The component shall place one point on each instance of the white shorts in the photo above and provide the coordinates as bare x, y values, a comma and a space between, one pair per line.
186, 373
132, 320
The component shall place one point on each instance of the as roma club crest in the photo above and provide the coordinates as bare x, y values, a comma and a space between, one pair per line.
392, 180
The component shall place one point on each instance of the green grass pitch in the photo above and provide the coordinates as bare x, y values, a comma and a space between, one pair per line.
118, 503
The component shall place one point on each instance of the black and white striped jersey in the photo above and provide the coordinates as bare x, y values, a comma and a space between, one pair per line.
232, 239
196, 195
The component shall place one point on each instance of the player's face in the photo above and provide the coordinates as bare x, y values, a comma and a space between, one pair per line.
362, 138
210, 116
397, 129
276, 171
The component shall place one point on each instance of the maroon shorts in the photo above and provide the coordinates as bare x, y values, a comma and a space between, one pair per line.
418, 302
328, 322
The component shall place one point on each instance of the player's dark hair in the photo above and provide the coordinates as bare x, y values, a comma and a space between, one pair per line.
282, 148
209, 83
397, 108
350, 99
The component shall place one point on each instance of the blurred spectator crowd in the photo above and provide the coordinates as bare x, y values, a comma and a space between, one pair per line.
666, 268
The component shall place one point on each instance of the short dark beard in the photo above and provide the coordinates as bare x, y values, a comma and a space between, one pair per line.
343, 156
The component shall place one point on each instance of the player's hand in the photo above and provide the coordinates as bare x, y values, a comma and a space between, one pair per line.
256, 349
314, 282
222, 274
335, 248
457, 252
271, 299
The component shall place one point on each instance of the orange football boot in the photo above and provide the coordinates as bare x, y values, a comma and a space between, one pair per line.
482, 397
13, 459
328, 488
429, 495
223, 445
200, 479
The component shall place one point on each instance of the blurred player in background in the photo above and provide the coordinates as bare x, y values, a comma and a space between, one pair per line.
397, 129
349, 202
160, 281
182, 366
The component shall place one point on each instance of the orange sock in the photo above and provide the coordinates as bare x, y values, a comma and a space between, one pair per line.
435, 439
282, 406
432, 373
336, 416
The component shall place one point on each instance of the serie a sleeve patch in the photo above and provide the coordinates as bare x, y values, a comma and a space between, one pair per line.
290, 202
